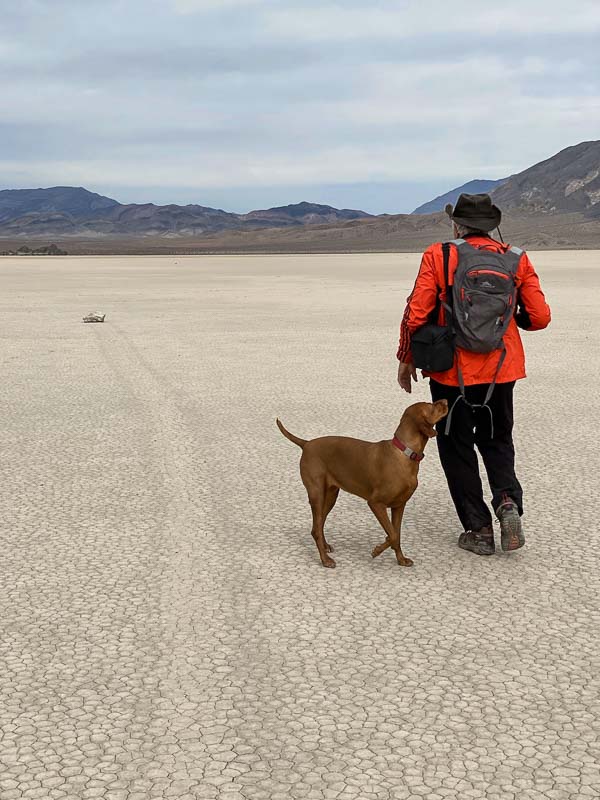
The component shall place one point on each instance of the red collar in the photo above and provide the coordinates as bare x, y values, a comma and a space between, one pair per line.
407, 451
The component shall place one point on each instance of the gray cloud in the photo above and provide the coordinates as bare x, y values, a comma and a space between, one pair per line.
198, 98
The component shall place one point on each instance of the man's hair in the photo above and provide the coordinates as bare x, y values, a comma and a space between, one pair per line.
464, 230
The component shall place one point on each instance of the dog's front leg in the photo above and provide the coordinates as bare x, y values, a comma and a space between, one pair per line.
378, 550
392, 530
397, 514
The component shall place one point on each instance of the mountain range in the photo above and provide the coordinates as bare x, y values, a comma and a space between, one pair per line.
75, 211
555, 203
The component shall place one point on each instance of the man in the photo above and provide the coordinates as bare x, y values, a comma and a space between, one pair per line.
476, 420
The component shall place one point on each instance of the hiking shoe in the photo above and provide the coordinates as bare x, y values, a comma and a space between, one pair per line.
480, 542
511, 530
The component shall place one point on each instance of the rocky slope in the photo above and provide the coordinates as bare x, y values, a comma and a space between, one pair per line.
472, 187
567, 182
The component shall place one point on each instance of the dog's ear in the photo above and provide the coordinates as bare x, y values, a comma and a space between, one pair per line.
426, 422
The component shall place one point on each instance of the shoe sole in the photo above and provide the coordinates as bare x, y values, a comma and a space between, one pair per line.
511, 531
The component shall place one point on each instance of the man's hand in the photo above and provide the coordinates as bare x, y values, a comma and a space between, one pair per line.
406, 372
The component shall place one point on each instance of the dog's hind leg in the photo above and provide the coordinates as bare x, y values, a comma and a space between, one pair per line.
321, 502
321, 498
317, 501
331, 496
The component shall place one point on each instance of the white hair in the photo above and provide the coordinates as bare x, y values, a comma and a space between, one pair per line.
464, 230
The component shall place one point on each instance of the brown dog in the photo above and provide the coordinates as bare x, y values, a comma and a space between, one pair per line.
383, 473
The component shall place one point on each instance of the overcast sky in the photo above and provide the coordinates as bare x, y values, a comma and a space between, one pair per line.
243, 104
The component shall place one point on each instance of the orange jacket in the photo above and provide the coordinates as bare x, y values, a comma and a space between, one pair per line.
534, 315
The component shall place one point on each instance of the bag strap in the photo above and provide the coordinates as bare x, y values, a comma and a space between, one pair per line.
446, 255
448, 305
435, 314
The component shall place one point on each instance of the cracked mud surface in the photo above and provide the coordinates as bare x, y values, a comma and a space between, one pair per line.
167, 629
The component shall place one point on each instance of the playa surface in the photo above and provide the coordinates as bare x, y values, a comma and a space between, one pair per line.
168, 628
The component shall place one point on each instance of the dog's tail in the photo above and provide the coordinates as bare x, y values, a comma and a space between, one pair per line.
290, 436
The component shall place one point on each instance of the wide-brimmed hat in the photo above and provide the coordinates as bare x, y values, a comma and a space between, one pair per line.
475, 211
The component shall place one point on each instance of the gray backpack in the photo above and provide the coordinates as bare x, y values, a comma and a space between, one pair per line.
484, 293
480, 306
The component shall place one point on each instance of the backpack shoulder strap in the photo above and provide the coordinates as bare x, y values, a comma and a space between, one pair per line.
446, 253
433, 317
513, 255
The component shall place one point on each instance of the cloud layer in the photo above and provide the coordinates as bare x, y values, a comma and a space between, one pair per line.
240, 100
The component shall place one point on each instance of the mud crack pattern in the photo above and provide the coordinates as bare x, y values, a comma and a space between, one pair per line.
167, 629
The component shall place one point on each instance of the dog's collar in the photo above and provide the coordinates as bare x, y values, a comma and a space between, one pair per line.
414, 456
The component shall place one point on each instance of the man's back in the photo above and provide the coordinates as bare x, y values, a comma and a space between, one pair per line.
477, 368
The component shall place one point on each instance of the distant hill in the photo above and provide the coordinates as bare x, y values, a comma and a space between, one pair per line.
472, 187
71, 211
304, 214
567, 182
74, 201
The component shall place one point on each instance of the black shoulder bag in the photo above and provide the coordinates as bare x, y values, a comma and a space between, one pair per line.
432, 345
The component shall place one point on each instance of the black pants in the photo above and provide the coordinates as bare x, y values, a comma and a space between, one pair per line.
472, 428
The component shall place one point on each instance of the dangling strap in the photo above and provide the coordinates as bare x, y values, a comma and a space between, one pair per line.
449, 417
461, 396
492, 385
473, 406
